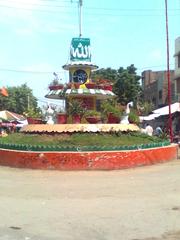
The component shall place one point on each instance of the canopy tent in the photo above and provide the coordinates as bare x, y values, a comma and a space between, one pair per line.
99, 93
149, 117
11, 116
175, 107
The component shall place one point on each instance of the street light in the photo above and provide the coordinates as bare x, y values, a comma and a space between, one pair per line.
168, 74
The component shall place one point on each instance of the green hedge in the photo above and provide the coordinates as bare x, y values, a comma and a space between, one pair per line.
56, 148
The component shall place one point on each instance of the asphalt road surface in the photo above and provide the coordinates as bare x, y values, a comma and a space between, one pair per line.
134, 204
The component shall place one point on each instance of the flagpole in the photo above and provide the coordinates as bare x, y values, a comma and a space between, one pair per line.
80, 18
168, 74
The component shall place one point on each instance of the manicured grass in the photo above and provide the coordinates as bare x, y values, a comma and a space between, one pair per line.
81, 139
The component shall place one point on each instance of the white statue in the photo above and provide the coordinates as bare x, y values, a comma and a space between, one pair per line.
126, 115
50, 115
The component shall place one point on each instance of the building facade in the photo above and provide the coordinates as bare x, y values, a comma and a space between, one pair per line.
177, 67
155, 87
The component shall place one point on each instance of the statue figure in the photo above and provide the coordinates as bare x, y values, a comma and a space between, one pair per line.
126, 115
50, 115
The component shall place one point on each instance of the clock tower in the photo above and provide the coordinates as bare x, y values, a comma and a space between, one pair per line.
80, 65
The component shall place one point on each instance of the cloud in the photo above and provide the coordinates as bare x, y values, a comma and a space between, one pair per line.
27, 17
156, 55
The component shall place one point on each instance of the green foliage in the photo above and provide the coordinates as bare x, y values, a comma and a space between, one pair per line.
111, 106
35, 113
76, 107
82, 139
145, 108
133, 116
19, 99
127, 85
92, 113
108, 73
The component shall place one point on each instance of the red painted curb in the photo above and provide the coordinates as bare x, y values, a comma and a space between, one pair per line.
100, 160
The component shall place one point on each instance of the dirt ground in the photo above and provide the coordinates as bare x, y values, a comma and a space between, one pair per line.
134, 204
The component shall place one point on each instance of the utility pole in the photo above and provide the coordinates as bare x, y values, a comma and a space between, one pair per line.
80, 3
28, 102
168, 74
80, 17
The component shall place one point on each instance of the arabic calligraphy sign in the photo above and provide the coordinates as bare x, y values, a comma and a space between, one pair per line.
80, 49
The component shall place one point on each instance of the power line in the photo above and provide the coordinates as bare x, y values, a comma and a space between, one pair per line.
60, 72
28, 71
92, 8
160, 66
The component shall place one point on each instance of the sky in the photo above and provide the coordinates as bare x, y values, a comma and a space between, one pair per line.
36, 34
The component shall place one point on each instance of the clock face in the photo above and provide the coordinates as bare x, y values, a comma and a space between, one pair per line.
80, 76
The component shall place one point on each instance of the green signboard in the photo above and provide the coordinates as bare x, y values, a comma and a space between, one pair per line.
80, 49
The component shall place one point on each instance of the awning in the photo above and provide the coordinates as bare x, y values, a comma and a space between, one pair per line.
149, 117
11, 116
61, 93
175, 107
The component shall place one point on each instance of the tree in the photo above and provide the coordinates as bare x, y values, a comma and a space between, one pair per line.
145, 108
19, 100
127, 86
108, 73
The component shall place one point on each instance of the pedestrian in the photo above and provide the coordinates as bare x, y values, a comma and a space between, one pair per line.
158, 131
149, 130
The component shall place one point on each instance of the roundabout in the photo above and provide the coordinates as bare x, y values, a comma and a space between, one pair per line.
84, 157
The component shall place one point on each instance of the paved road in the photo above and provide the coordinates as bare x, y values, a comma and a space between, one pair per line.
133, 204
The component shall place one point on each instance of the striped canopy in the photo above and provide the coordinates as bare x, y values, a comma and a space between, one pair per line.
61, 93
80, 64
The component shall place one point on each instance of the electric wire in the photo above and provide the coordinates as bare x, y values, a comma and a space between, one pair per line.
63, 71
136, 12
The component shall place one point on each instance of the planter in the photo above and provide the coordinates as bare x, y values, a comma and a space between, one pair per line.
93, 119
90, 85
61, 118
32, 120
76, 85
113, 119
56, 87
105, 87
108, 87
76, 118
73, 85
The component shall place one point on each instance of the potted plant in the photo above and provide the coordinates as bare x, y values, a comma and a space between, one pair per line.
90, 85
76, 110
104, 84
112, 111
55, 85
133, 117
93, 116
33, 116
61, 117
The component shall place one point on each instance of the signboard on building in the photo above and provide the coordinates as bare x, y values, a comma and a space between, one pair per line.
80, 49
